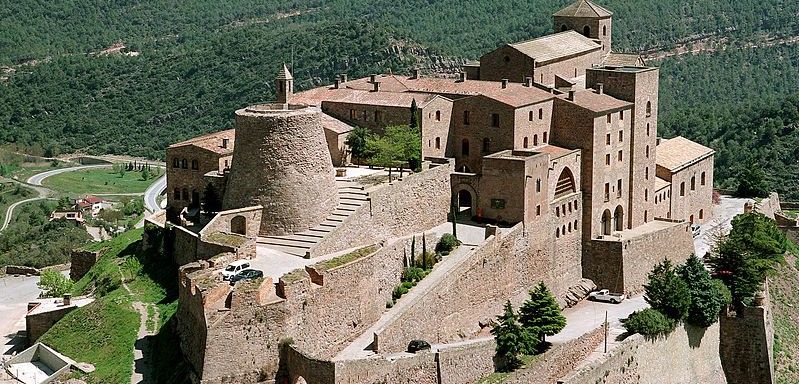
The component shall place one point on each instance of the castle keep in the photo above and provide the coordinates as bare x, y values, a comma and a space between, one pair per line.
552, 142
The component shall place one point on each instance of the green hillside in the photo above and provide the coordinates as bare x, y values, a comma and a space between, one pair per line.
197, 61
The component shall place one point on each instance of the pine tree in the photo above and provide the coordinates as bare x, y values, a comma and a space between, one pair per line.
666, 292
540, 315
706, 299
509, 337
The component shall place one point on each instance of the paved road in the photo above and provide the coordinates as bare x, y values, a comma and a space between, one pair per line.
152, 193
721, 224
39, 177
15, 293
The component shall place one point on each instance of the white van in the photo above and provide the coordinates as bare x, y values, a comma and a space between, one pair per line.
235, 267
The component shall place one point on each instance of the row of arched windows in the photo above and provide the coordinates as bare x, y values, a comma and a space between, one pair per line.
562, 230
526, 143
184, 163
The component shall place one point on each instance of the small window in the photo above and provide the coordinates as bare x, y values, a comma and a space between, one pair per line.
530, 116
646, 217
465, 117
607, 139
438, 115
609, 118
620, 156
176, 194
570, 227
607, 159
646, 195
648, 108
557, 232
563, 28
621, 136
535, 140
185, 194
621, 115
538, 185
538, 210
693, 183
378, 116
557, 211
702, 179
618, 186
647, 129
701, 214
526, 142
176, 163
647, 151
495, 120
604, 30
646, 173
545, 137
195, 164
587, 31
352, 114
540, 113
465, 147
486, 145
438, 143
682, 189
184, 164
607, 191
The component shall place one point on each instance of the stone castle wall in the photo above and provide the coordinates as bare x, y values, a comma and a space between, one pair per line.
688, 355
281, 161
81, 261
414, 204
747, 345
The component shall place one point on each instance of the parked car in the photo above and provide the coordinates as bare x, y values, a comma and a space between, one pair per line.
234, 268
696, 230
247, 274
606, 296
418, 345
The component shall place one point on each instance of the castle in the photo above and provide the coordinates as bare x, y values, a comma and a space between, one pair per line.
552, 141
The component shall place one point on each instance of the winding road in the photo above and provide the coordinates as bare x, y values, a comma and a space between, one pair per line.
35, 182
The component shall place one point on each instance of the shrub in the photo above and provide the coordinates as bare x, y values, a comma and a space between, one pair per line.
648, 322
399, 291
407, 285
447, 243
413, 274
54, 284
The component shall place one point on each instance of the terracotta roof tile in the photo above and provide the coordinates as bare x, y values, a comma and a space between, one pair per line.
554, 47
386, 99
583, 8
211, 142
333, 124
679, 152
554, 151
624, 60
598, 103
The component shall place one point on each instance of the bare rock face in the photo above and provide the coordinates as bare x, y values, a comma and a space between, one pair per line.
281, 161
578, 292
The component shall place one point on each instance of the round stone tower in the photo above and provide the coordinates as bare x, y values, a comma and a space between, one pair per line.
281, 162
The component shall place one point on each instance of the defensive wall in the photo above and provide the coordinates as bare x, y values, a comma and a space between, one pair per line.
411, 205
621, 262
688, 355
772, 207
228, 231
747, 343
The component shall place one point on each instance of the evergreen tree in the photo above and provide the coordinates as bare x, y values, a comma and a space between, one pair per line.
752, 181
540, 315
414, 123
509, 337
706, 299
413, 251
666, 292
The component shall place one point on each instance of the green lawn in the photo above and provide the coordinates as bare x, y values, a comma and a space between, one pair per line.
97, 181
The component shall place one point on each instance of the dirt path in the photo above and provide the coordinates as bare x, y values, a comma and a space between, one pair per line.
142, 371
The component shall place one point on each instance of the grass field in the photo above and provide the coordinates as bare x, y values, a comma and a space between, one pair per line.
97, 181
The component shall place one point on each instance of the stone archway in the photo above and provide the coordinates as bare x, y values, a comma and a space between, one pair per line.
238, 225
465, 200
618, 219
606, 222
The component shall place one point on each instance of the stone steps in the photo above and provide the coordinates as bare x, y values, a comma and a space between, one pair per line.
351, 197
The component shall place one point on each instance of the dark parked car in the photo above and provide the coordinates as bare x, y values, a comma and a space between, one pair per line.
418, 345
247, 274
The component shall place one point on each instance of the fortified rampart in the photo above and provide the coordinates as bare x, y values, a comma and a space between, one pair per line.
281, 162
416, 203
688, 355
747, 343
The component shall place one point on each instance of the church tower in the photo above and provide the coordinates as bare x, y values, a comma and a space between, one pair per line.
284, 85
588, 19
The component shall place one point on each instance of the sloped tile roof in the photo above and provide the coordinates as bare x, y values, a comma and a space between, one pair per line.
624, 59
595, 102
285, 74
557, 46
333, 124
583, 8
679, 152
211, 142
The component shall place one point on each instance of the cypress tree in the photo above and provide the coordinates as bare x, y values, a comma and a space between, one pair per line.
413, 251
540, 315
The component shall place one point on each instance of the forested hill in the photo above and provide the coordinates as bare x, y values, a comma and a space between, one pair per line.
187, 65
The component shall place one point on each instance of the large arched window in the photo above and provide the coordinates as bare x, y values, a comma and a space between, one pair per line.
618, 218
465, 147
565, 185
587, 31
606, 222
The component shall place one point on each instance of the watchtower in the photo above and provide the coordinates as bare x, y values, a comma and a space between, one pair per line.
587, 18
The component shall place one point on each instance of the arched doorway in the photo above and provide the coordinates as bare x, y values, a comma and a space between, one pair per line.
606, 218
238, 225
465, 202
587, 31
618, 218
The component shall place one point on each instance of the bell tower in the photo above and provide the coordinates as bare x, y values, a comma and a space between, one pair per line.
587, 18
284, 85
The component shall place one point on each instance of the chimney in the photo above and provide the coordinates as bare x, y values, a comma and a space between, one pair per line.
415, 73
504, 83
343, 77
528, 81
67, 299
571, 95
462, 76
376, 86
372, 78
600, 88
224, 143
336, 84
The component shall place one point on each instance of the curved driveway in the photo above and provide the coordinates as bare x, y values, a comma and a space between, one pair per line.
39, 177
151, 194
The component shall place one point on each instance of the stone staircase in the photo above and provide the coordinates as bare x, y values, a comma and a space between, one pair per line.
351, 196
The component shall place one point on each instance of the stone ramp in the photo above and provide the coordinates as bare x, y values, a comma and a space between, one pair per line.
351, 197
